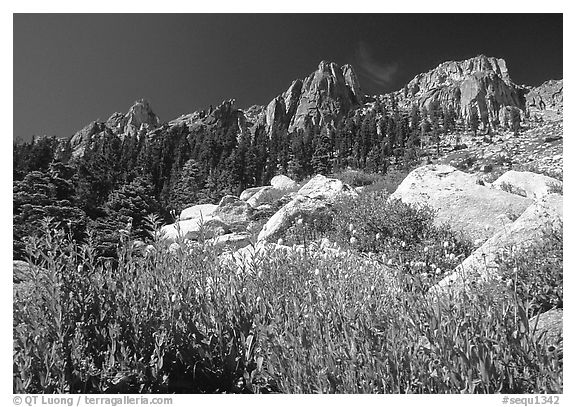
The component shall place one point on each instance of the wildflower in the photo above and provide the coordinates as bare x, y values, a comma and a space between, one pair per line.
446, 244
403, 244
353, 240
299, 221
426, 249
391, 262
452, 256
438, 271
316, 272
280, 242
378, 236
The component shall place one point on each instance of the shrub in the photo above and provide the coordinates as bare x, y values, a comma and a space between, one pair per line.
555, 188
404, 235
181, 320
535, 272
389, 181
357, 178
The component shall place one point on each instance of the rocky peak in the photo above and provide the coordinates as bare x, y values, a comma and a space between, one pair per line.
80, 140
141, 114
547, 100
116, 121
480, 84
292, 97
352, 82
224, 114
325, 96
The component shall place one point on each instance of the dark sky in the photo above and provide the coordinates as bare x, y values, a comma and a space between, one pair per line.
70, 69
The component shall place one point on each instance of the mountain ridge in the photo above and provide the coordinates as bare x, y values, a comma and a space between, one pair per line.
330, 92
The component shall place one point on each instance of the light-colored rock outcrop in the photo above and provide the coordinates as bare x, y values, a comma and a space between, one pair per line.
264, 196
234, 212
459, 201
282, 182
226, 199
547, 328
311, 201
198, 211
528, 184
231, 214
301, 206
248, 193
542, 216
328, 189
195, 228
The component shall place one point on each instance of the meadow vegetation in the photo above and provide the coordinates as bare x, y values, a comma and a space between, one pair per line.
358, 321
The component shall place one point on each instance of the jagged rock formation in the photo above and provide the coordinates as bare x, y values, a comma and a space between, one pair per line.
325, 96
480, 84
139, 120
548, 97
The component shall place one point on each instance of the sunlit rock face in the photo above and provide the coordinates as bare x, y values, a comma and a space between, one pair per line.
481, 84
325, 96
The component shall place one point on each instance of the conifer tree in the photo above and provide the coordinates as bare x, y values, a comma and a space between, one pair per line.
474, 121
321, 162
185, 191
515, 121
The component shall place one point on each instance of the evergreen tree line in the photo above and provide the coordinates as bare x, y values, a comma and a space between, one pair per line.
121, 179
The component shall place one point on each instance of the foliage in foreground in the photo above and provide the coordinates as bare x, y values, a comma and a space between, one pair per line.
183, 321
396, 233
